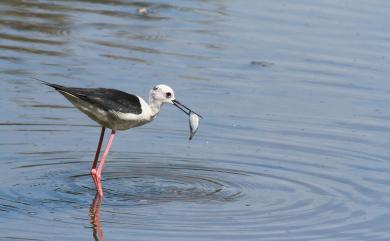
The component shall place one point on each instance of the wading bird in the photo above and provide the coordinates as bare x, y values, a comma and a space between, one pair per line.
117, 110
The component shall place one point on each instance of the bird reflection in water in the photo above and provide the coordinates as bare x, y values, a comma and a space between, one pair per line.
94, 214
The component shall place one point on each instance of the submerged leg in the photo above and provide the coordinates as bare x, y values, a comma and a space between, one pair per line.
94, 164
94, 213
97, 173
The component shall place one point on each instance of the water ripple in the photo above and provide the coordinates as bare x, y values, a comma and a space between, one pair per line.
260, 202
293, 145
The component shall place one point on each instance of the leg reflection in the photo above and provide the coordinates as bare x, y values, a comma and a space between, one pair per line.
94, 214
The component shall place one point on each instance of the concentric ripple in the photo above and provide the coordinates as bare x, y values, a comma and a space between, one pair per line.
207, 197
294, 144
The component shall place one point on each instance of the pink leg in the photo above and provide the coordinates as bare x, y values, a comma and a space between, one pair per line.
97, 173
93, 169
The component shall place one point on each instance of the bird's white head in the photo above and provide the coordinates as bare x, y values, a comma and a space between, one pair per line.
161, 94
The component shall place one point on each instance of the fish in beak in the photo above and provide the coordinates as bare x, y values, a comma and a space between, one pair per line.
184, 108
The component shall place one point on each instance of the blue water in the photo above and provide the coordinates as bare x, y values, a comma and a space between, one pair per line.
294, 144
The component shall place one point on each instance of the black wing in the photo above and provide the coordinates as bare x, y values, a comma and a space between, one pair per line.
106, 99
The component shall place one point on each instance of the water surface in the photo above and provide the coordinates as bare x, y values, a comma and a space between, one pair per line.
293, 146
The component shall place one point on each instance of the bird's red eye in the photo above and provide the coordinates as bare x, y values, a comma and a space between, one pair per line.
168, 94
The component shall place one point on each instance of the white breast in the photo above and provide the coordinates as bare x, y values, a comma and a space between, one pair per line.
124, 121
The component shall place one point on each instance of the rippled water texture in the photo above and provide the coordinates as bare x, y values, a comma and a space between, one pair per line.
294, 144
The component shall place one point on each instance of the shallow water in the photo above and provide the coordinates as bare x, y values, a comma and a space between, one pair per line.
293, 146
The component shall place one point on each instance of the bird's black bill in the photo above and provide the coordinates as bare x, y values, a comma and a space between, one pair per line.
184, 108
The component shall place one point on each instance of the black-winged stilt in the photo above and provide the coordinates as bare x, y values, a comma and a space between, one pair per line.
117, 110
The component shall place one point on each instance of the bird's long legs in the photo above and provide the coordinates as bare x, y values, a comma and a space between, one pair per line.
96, 173
94, 164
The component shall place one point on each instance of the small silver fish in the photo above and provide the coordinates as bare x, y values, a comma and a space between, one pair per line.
194, 124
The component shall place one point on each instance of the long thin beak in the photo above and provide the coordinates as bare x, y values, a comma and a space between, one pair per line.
184, 108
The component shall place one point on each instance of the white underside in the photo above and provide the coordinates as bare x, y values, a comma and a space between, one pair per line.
111, 119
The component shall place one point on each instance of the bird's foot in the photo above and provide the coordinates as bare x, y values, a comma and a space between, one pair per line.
97, 180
